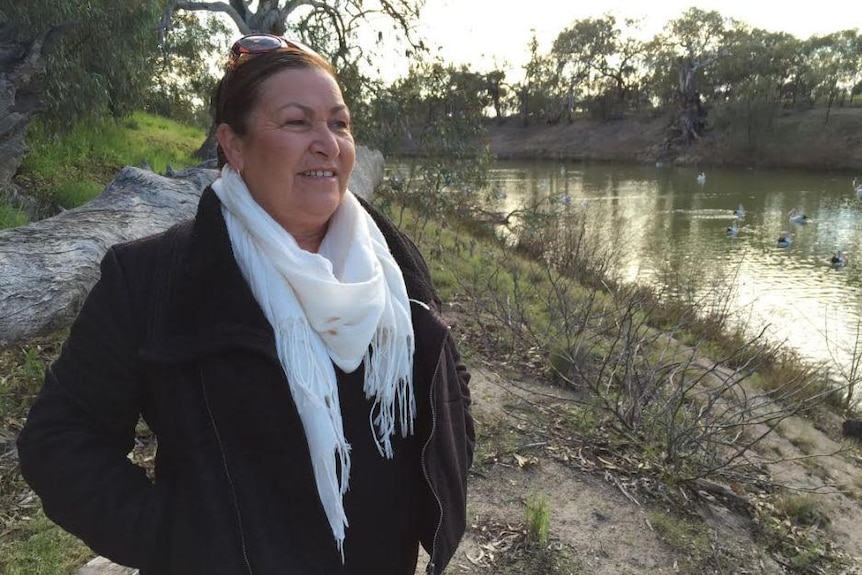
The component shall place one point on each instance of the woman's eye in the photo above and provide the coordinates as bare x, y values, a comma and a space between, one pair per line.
294, 122
341, 124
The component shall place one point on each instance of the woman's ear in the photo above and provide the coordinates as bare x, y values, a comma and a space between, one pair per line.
231, 145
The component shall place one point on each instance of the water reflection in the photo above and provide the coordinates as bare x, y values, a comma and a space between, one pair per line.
663, 218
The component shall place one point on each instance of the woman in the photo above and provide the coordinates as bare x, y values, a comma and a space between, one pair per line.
285, 348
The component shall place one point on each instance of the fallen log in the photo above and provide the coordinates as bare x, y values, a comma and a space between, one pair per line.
48, 267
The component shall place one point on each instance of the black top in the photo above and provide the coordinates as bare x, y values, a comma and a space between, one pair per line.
381, 537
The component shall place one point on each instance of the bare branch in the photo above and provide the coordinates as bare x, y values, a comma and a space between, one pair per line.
217, 7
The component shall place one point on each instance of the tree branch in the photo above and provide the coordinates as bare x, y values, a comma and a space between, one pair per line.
217, 7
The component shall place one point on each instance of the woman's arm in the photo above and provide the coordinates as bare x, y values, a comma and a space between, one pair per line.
74, 446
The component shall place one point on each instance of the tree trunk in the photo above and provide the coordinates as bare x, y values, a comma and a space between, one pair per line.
20, 60
49, 266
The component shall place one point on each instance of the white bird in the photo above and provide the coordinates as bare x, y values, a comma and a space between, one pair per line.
701, 178
857, 187
797, 217
784, 239
732, 229
739, 212
839, 260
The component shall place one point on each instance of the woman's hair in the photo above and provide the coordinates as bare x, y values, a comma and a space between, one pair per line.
237, 92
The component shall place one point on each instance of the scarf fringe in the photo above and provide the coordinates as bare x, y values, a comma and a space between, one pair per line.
380, 368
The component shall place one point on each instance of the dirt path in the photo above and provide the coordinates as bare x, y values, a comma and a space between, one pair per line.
603, 529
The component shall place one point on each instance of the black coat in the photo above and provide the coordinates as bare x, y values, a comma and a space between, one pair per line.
171, 332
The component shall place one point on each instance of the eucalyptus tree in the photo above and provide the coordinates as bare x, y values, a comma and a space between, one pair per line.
599, 61
437, 110
835, 60
698, 39
349, 32
95, 57
498, 90
749, 80
68, 61
332, 24
683, 58
184, 68
755, 66
540, 93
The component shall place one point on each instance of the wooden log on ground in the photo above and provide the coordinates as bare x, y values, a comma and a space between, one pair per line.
48, 267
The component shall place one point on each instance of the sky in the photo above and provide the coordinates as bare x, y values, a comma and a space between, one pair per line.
491, 33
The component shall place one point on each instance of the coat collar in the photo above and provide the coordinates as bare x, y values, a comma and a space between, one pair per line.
204, 305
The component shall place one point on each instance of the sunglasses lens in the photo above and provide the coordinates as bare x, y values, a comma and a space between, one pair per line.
260, 44
255, 44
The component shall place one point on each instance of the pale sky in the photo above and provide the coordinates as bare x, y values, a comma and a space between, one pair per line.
482, 33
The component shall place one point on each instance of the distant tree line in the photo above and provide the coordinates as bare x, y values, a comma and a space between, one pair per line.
699, 62
105, 58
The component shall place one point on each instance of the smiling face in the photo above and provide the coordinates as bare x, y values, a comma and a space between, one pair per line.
297, 151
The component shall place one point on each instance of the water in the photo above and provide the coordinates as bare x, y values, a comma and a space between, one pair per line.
661, 217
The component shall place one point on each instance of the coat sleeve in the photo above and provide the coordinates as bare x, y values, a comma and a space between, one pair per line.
464, 382
74, 445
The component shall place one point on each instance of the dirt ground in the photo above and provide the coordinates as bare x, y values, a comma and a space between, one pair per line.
606, 530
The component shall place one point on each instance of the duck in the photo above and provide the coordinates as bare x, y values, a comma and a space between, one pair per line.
784, 239
732, 229
739, 212
701, 178
857, 187
839, 260
797, 217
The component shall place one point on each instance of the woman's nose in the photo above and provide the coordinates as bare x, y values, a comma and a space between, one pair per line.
325, 141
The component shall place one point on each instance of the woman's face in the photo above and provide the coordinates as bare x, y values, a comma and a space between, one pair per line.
298, 150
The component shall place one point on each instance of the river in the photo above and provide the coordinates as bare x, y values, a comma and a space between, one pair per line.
668, 218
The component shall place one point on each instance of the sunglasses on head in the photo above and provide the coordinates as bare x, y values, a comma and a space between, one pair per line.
256, 44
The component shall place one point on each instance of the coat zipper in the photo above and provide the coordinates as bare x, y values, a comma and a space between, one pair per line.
430, 568
227, 475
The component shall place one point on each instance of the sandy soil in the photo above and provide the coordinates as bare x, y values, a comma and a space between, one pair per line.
605, 529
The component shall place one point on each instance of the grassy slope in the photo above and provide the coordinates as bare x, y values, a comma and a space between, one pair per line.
66, 172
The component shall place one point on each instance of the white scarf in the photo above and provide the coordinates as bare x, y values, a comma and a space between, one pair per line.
348, 304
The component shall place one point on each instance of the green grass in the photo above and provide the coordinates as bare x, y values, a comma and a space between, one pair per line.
538, 518
687, 538
11, 217
38, 547
71, 169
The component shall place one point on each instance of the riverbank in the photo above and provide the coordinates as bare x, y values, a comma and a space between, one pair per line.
793, 139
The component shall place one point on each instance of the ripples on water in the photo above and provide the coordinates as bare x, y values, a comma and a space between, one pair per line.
663, 218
